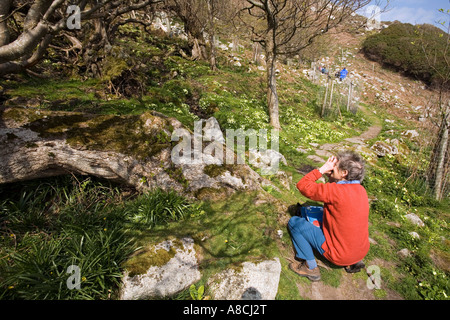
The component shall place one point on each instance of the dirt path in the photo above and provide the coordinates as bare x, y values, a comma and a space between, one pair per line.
358, 142
351, 287
371, 133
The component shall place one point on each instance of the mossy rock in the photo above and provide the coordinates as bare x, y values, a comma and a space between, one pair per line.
156, 256
140, 136
161, 270
130, 149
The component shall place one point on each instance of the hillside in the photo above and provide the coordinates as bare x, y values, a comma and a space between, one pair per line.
391, 126
407, 49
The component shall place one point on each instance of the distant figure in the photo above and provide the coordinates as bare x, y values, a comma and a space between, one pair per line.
343, 74
324, 70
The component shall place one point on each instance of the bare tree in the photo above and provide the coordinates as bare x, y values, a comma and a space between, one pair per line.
286, 27
199, 17
212, 11
437, 59
28, 27
194, 15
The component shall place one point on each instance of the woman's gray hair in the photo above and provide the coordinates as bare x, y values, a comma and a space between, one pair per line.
353, 163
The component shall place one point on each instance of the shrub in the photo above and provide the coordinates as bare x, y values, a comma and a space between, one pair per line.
401, 47
386, 208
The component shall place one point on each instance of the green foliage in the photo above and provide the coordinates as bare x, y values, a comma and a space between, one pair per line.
79, 229
405, 47
386, 208
47, 226
236, 112
398, 194
160, 207
196, 294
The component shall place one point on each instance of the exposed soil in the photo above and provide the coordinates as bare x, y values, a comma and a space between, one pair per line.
351, 287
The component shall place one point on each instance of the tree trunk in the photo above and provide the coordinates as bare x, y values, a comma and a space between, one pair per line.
198, 47
211, 33
440, 167
272, 96
256, 54
94, 48
212, 57
325, 99
4, 32
24, 44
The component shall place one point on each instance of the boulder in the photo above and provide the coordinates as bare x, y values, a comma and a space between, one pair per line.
267, 160
414, 219
212, 131
284, 179
414, 235
404, 253
323, 153
382, 149
410, 134
315, 158
160, 270
366, 152
137, 150
249, 281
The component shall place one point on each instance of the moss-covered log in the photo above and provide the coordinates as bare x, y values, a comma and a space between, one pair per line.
132, 149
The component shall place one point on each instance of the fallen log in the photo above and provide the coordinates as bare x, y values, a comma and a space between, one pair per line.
132, 149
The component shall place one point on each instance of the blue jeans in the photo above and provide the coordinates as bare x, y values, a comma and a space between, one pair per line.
305, 237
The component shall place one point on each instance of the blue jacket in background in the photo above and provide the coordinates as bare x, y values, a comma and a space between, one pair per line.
343, 73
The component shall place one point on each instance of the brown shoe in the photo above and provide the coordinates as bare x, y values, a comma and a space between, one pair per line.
302, 270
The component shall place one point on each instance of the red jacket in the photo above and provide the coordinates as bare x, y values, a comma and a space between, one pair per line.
345, 218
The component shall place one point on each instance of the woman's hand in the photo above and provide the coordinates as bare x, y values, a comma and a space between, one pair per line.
329, 165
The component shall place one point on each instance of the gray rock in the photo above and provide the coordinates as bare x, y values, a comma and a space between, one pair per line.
253, 281
301, 150
284, 179
410, 134
316, 159
365, 151
266, 159
414, 219
212, 131
165, 166
323, 153
159, 281
328, 146
414, 235
404, 253
231, 181
382, 149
